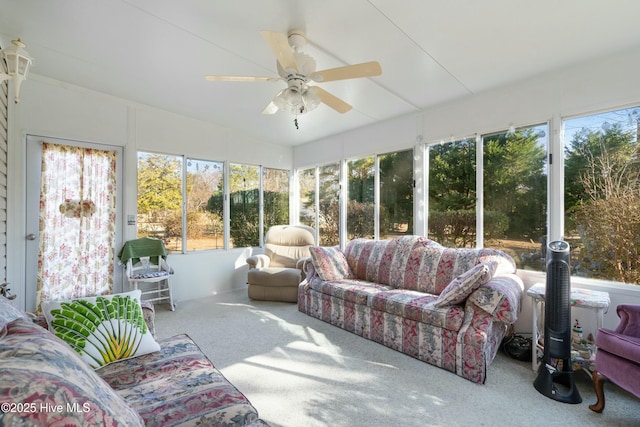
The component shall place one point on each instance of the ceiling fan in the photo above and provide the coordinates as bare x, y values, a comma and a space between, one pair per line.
298, 70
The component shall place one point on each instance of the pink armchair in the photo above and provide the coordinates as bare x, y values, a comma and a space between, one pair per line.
618, 356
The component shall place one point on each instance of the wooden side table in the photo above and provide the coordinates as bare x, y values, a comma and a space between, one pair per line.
598, 301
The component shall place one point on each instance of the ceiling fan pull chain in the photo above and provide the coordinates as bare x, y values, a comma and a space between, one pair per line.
295, 122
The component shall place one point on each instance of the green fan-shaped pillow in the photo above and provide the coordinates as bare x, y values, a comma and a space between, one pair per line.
102, 329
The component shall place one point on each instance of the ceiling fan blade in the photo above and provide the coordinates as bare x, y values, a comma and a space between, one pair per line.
279, 44
331, 100
366, 69
241, 79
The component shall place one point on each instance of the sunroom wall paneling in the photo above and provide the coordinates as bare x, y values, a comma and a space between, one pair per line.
164, 132
383, 137
50, 108
600, 84
53, 109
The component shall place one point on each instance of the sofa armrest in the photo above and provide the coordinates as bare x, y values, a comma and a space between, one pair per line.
629, 315
501, 297
149, 313
258, 261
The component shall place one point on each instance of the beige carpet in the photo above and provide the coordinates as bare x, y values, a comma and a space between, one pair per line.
299, 371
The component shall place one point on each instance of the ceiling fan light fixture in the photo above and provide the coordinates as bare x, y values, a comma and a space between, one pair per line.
298, 101
310, 99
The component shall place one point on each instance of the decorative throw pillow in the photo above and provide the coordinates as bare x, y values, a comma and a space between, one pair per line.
102, 329
462, 286
330, 263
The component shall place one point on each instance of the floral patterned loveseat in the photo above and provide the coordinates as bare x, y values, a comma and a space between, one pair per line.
449, 307
44, 382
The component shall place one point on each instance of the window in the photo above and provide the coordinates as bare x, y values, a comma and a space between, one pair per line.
326, 205
160, 198
361, 198
395, 209
244, 205
306, 197
199, 222
205, 187
452, 193
329, 204
515, 195
275, 197
396, 194
602, 194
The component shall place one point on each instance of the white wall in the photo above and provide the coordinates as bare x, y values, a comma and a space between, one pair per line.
53, 109
602, 84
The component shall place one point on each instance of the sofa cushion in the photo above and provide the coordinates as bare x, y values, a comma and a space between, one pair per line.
330, 263
179, 386
452, 262
355, 291
102, 329
393, 262
274, 277
461, 287
418, 306
53, 386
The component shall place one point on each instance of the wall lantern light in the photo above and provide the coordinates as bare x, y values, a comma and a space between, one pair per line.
18, 63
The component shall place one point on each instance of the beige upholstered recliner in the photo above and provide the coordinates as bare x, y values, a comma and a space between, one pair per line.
276, 274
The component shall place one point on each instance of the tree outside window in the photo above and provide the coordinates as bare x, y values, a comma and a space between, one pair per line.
160, 198
275, 197
396, 197
361, 198
244, 205
515, 194
602, 194
396, 194
329, 204
452, 193
306, 197
205, 226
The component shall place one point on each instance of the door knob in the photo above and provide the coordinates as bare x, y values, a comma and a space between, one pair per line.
31, 236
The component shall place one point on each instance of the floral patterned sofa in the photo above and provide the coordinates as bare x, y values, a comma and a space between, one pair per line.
449, 307
44, 382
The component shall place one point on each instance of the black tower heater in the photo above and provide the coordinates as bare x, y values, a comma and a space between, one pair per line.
555, 376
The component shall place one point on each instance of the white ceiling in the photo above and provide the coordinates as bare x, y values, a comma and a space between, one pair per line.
157, 52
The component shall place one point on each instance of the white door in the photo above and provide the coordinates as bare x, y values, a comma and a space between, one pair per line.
34, 254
